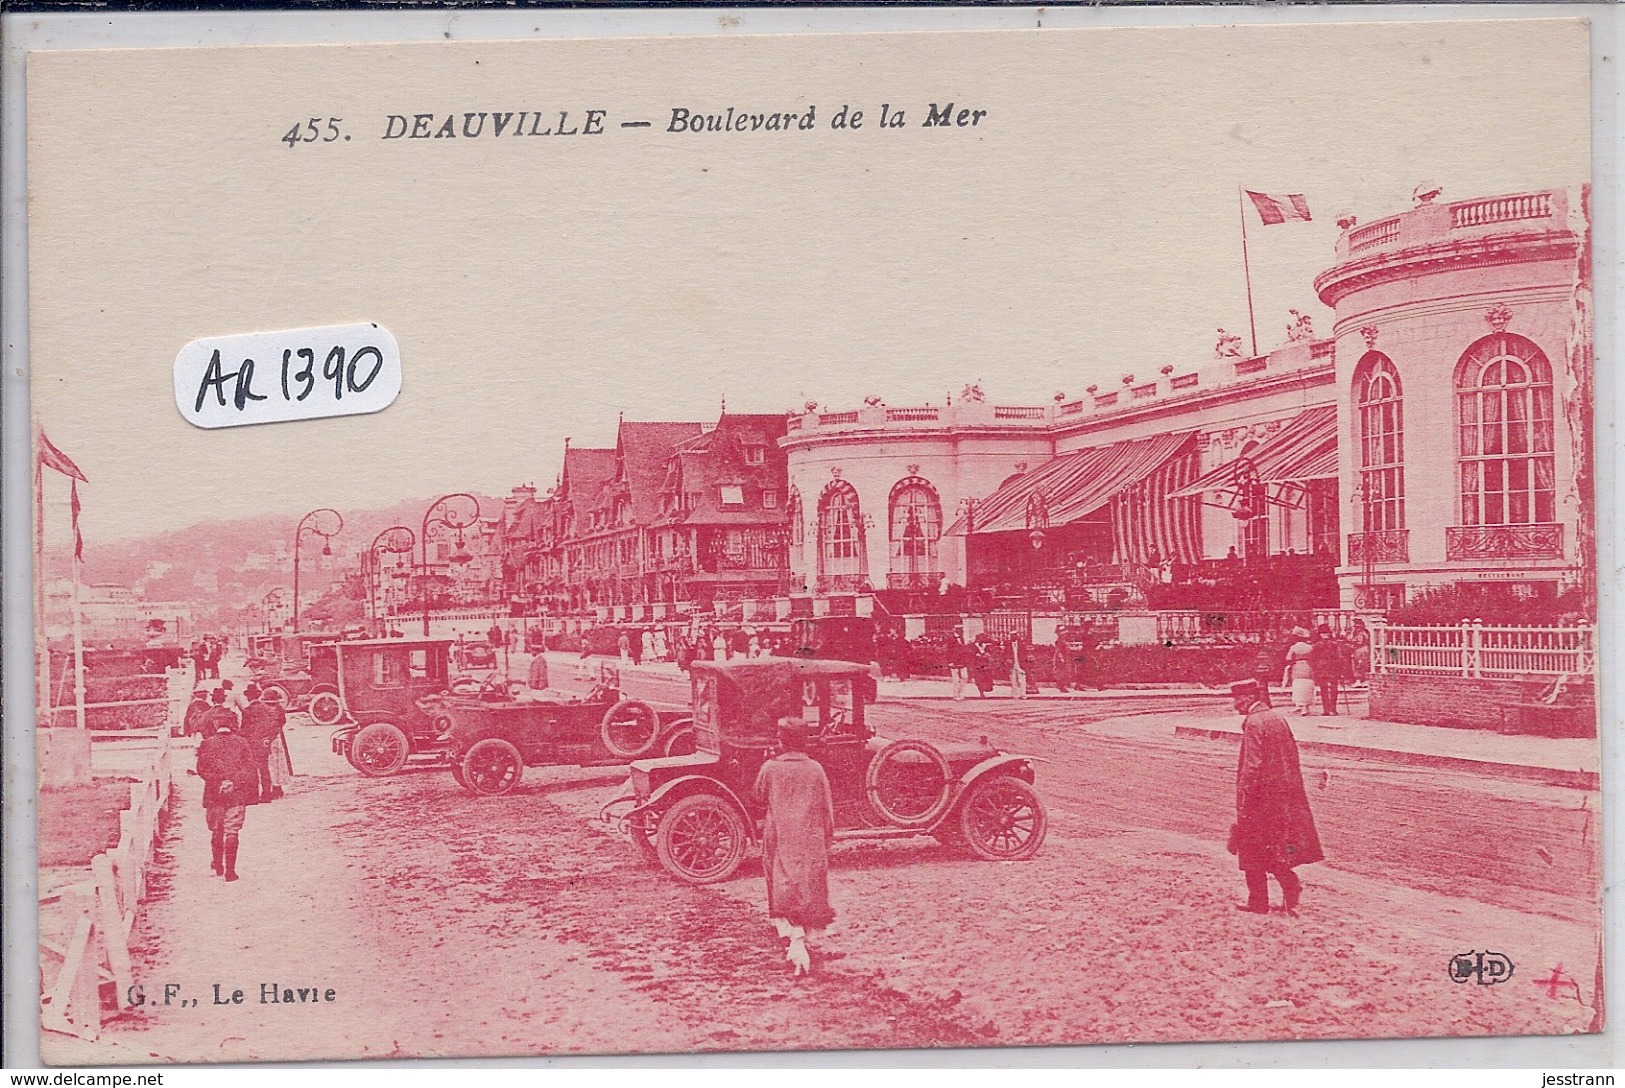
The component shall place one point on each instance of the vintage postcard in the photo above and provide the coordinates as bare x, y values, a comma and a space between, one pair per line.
822, 541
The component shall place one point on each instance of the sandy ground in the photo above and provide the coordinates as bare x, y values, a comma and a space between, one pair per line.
449, 924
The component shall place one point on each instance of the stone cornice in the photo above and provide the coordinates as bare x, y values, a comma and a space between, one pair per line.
1338, 282
1302, 378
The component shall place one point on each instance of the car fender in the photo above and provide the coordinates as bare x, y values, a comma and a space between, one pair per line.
695, 783
994, 763
342, 736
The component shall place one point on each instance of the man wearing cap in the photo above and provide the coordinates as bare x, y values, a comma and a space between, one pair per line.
230, 774
796, 839
1274, 830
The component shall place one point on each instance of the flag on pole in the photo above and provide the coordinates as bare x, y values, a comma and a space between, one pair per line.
53, 458
1279, 209
78, 538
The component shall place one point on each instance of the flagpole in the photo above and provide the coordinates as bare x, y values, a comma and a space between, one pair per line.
1246, 268
78, 645
41, 630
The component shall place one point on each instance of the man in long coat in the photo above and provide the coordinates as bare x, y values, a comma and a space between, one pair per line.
1274, 830
230, 774
796, 839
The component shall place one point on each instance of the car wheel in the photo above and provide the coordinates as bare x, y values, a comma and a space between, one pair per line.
492, 766
325, 708
701, 839
1002, 818
909, 784
630, 729
276, 693
379, 750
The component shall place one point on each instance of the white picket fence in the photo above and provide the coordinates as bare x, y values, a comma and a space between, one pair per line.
101, 910
1475, 650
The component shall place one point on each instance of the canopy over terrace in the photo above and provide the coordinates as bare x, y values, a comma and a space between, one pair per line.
1078, 501
1304, 449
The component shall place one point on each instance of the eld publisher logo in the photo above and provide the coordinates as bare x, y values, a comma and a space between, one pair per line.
1488, 968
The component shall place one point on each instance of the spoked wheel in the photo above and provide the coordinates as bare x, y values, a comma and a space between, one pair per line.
701, 839
1002, 819
492, 766
379, 750
630, 729
325, 708
909, 784
276, 693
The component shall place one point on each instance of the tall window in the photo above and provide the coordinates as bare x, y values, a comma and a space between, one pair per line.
1380, 417
1504, 419
840, 532
916, 526
798, 542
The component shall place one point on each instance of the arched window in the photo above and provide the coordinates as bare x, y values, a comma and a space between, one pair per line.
915, 521
1504, 433
1380, 419
840, 537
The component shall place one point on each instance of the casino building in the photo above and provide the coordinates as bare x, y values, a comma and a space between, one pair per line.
1438, 434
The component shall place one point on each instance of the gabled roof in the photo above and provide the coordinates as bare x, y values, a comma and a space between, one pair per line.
643, 450
586, 470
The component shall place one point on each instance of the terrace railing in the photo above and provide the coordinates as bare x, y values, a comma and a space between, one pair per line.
1477, 650
1184, 626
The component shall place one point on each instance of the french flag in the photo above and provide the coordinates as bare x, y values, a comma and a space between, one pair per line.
1279, 209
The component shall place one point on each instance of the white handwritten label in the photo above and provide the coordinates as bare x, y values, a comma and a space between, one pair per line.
273, 377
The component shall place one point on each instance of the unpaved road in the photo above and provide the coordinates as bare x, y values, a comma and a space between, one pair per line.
458, 925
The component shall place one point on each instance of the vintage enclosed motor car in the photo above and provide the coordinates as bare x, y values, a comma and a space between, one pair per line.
697, 815
496, 733
301, 672
380, 682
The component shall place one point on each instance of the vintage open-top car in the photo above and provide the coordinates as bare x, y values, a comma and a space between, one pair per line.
697, 815
496, 733
380, 682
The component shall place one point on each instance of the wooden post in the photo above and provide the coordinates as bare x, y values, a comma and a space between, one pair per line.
73, 1005
110, 920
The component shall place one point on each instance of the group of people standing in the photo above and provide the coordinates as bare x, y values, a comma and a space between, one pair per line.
1319, 663
243, 760
206, 653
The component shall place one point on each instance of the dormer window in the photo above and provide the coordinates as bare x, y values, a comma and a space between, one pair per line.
733, 495
770, 500
755, 455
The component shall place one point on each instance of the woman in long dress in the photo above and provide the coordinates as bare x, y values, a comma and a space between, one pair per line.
1300, 674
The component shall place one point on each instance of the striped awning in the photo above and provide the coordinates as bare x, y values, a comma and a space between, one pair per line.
1304, 449
1072, 486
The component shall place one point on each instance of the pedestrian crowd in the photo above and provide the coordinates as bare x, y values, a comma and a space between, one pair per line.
243, 757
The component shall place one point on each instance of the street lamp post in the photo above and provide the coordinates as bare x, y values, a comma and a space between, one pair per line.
313, 522
1037, 522
396, 540
271, 600
454, 512
1252, 504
